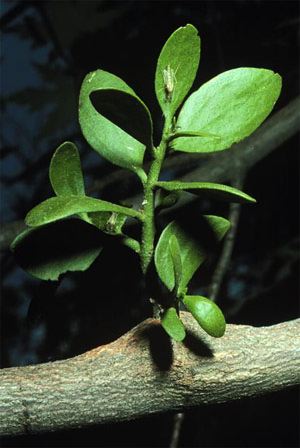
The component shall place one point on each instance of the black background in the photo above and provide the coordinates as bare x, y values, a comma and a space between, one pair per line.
127, 42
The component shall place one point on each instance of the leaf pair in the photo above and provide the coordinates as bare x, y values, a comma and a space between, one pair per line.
115, 121
226, 109
67, 182
221, 112
207, 314
179, 254
58, 245
177, 257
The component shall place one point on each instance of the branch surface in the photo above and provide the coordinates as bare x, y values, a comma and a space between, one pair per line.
143, 373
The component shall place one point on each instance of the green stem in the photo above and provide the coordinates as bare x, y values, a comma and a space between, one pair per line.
131, 243
148, 228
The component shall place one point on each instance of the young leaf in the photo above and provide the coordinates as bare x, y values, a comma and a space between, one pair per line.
121, 127
207, 189
192, 251
65, 171
231, 105
172, 324
176, 68
207, 314
47, 252
176, 260
60, 207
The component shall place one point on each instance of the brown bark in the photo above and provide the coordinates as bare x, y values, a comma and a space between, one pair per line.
143, 373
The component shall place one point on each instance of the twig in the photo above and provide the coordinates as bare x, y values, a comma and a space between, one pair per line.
223, 262
178, 420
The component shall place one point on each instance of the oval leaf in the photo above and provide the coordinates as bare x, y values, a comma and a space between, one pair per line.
65, 171
208, 189
176, 69
105, 130
49, 251
61, 207
207, 314
193, 251
172, 324
231, 105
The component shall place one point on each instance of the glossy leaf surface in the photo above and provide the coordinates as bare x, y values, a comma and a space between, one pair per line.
65, 171
60, 207
176, 68
47, 252
193, 251
172, 324
114, 121
208, 189
207, 313
231, 105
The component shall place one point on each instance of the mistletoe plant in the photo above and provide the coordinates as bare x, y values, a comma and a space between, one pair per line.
117, 124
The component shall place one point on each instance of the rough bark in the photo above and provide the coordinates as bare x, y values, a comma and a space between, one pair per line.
143, 373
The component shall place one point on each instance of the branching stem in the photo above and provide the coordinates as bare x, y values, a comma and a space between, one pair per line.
148, 228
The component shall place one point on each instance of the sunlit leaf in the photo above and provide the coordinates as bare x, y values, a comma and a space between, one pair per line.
207, 313
65, 171
231, 105
176, 68
113, 119
208, 189
60, 207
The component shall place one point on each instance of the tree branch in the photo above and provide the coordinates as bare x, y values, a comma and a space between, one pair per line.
142, 373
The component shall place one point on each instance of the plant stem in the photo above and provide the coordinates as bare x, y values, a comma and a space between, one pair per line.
148, 228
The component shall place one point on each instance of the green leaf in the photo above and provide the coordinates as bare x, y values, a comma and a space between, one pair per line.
47, 252
176, 69
65, 171
61, 207
121, 127
207, 314
164, 199
208, 189
176, 260
99, 219
193, 251
172, 324
231, 105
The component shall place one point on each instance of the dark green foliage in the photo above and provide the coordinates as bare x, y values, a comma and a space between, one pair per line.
117, 124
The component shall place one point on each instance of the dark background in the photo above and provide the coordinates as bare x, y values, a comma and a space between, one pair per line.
47, 48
